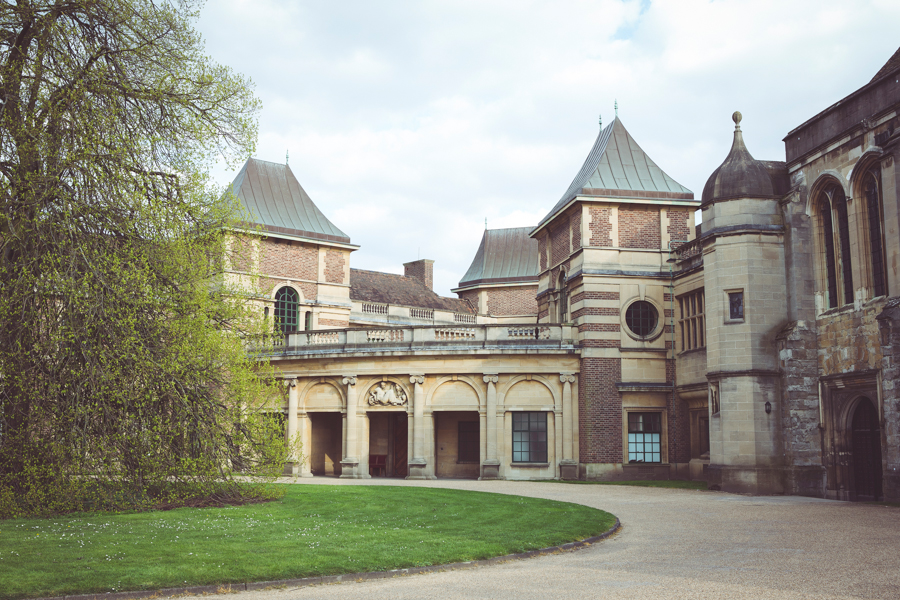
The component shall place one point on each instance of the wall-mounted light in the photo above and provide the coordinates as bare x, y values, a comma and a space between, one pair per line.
768, 407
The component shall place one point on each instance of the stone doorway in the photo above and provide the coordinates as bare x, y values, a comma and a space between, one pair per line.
326, 435
457, 443
388, 444
865, 439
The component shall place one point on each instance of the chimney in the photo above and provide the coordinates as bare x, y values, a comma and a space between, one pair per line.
422, 269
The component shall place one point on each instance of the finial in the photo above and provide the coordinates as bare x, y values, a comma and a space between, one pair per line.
287, 156
616, 105
736, 117
601, 121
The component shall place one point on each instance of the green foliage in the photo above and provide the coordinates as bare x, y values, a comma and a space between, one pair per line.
124, 380
314, 530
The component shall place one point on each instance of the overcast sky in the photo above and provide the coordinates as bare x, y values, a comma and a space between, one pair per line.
409, 123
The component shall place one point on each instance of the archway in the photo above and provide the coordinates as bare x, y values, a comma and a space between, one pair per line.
865, 442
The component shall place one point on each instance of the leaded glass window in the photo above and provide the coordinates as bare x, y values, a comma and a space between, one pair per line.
286, 314
644, 432
641, 318
530, 437
873, 207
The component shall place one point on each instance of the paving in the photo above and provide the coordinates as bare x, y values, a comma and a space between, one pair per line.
673, 544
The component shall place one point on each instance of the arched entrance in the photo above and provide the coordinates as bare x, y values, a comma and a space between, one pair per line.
865, 442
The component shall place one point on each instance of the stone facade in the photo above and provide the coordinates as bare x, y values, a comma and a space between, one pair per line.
759, 351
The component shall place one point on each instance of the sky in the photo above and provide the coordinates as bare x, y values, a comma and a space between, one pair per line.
410, 123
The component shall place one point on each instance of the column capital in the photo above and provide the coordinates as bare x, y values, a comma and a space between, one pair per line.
491, 378
417, 379
566, 378
291, 382
349, 380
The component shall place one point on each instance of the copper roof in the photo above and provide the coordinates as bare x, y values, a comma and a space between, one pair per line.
617, 167
278, 203
388, 288
504, 256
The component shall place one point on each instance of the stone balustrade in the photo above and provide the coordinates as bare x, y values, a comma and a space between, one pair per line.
414, 338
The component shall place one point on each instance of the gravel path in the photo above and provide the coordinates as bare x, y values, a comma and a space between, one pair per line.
674, 544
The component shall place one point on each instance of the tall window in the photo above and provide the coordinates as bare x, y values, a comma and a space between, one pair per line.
529, 437
644, 431
872, 189
563, 298
828, 239
840, 209
692, 321
286, 310
832, 205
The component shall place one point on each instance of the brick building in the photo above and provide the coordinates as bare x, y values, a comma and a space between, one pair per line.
758, 351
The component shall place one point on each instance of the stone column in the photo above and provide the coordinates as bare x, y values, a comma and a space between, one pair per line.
418, 463
568, 468
490, 467
303, 429
350, 463
293, 404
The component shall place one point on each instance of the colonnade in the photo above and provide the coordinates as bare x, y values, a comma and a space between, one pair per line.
354, 458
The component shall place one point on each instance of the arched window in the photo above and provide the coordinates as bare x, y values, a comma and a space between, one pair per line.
563, 298
286, 310
839, 202
872, 190
828, 239
832, 207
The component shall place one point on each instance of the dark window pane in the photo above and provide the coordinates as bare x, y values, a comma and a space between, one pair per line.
736, 305
873, 207
286, 317
641, 318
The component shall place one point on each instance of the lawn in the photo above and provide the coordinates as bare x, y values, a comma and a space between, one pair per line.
314, 530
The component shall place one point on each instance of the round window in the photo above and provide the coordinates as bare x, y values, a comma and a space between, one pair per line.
641, 318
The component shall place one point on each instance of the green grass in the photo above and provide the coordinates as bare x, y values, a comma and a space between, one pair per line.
675, 484
313, 530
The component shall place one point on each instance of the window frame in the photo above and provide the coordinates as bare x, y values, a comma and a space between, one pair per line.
871, 188
692, 322
284, 308
655, 331
640, 425
729, 320
528, 455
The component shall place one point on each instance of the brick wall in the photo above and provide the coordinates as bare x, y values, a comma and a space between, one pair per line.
512, 301
576, 228
639, 227
559, 243
611, 327
334, 266
597, 311
288, 259
595, 296
678, 228
471, 296
678, 422
600, 410
601, 226
309, 290
241, 253
324, 323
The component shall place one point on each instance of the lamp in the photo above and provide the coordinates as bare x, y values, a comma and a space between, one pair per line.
768, 407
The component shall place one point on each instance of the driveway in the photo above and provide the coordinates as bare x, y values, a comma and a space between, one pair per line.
673, 544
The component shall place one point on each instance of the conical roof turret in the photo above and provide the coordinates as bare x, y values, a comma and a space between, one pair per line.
740, 175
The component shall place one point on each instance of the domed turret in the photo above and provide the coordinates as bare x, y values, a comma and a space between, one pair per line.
740, 175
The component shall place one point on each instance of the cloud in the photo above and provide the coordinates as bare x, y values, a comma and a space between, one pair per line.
409, 123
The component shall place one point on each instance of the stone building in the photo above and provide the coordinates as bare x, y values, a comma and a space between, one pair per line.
758, 351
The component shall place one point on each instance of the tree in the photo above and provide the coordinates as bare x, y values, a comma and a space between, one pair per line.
123, 377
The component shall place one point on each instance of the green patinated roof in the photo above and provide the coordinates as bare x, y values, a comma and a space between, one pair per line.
278, 203
617, 167
504, 256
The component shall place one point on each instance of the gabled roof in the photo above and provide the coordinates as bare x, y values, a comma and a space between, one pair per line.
890, 66
388, 288
504, 256
278, 203
617, 167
